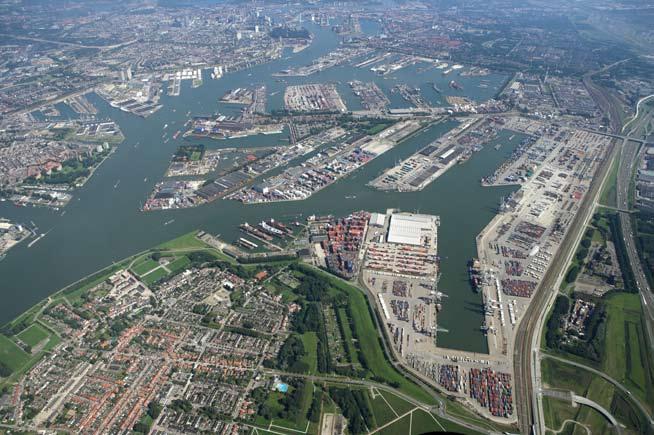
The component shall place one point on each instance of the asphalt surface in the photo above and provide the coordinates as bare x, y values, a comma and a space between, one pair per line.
625, 172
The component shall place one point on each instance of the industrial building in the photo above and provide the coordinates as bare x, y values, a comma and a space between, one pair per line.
412, 229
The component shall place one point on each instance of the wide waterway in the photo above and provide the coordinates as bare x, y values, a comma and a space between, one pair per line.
103, 222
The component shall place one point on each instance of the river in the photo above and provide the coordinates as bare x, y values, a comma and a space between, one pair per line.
103, 222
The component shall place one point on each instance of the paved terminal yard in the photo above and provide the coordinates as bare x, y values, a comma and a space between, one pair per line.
517, 247
400, 269
313, 98
427, 164
325, 168
554, 167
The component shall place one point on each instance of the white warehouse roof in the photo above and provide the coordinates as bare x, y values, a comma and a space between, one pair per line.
408, 228
377, 219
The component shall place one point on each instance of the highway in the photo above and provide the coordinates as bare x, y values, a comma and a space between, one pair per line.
70, 44
527, 338
637, 114
625, 171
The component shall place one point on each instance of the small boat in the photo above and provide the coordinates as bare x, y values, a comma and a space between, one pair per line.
117, 183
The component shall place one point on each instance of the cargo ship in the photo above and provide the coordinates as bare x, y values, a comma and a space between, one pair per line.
455, 85
474, 274
254, 232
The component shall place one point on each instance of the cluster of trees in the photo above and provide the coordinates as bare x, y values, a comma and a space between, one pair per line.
591, 346
310, 318
212, 413
153, 411
10, 329
289, 32
181, 405
203, 258
5, 371
185, 152
355, 407
292, 408
621, 253
290, 355
71, 170
554, 332
312, 288
314, 410
580, 256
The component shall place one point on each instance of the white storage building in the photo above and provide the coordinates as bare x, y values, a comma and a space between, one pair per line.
408, 228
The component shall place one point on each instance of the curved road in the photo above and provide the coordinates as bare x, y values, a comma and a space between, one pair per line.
607, 378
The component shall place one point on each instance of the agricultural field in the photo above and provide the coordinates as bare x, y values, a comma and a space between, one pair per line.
628, 361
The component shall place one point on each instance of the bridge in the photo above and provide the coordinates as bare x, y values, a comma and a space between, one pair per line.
572, 398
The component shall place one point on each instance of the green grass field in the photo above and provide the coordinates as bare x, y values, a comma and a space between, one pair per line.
626, 359
178, 264
397, 403
558, 375
422, 422
400, 426
144, 266
310, 342
382, 411
371, 345
293, 425
154, 276
11, 355
563, 376
556, 412
601, 392
348, 342
186, 241
33, 335
608, 195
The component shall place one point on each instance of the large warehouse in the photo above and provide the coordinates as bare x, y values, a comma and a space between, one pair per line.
411, 229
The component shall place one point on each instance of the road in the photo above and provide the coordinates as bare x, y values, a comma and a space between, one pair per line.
625, 171
527, 338
572, 398
607, 378
70, 44
437, 409
637, 114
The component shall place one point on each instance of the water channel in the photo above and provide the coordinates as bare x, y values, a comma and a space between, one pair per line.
103, 222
